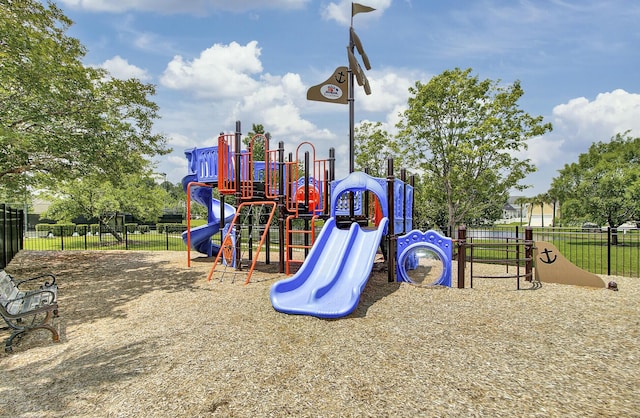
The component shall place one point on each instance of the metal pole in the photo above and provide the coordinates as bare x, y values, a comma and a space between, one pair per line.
391, 238
238, 191
351, 100
281, 207
462, 254
528, 248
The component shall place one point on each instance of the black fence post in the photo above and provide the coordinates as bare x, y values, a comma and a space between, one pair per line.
462, 254
3, 242
528, 254
609, 251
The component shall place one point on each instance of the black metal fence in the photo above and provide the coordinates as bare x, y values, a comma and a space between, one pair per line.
610, 251
607, 251
166, 237
11, 231
61, 238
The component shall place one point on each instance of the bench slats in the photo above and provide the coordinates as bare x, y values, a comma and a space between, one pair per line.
16, 304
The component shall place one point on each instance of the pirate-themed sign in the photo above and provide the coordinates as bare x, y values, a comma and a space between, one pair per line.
553, 267
333, 90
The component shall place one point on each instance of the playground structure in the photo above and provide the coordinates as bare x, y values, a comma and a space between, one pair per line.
360, 214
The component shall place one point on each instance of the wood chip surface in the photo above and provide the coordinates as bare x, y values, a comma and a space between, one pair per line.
144, 335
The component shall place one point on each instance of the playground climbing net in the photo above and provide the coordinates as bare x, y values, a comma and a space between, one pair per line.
250, 224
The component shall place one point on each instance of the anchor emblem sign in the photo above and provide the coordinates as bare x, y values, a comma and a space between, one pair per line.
333, 90
548, 260
553, 267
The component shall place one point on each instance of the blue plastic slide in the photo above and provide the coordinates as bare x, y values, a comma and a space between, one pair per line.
332, 277
201, 235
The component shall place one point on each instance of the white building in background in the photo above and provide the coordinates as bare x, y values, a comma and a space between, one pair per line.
526, 213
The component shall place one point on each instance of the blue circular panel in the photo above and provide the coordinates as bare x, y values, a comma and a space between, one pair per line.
424, 264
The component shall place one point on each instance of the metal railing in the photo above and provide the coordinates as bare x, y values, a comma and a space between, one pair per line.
610, 251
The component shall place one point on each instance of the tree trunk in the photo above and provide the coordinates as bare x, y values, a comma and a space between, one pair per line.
111, 230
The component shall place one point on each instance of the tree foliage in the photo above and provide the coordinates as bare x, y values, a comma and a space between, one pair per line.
372, 147
58, 118
258, 143
463, 134
604, 185
103, 199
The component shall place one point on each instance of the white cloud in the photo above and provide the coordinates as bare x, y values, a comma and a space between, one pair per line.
177, 140
183, 6
389, 88
341, 11
276, 104
581, 122
544, 150
120, 68
577, 124
222, 71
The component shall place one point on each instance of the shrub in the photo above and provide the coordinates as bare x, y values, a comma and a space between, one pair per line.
143, 229
43, 230
131, 228
63, 229
170, 228
82, 229
95, 229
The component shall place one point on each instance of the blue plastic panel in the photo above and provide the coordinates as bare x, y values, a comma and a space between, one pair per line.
430, 240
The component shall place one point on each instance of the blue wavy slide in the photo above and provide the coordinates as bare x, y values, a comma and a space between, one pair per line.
201, 235
332, 277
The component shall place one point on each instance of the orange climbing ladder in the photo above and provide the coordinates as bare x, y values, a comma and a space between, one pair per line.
304, 243
228, 245
312, 195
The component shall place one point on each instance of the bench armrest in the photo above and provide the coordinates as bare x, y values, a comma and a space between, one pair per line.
45, 284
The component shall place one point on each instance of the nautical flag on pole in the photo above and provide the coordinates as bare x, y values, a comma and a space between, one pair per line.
359, 8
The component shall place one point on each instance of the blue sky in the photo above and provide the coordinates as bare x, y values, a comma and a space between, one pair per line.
217, 61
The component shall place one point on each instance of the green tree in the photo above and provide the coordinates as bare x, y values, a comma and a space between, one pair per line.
96, 197
373, 146
539, 200
464, 134
59, 119
604, 185
427, 214
258, 142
